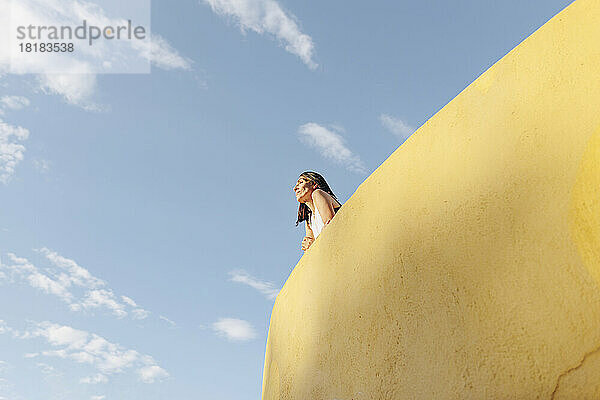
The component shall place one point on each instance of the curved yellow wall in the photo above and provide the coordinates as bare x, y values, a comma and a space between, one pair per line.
468, 265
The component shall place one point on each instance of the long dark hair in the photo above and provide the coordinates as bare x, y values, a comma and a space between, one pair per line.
303, 210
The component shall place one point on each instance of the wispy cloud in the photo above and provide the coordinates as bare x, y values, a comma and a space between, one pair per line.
129, 301
331, 145
99, 397
77, 88
152, 373
395, 125
94, 379
266, 288
71, 283
84, 347
14, 102
168, 321
74, 273
104, 298
4, 328
138, 312
11, 137
11, 149
161, 54
20, 269
48, 369
267, 16
6, 388
236, 330
41, 165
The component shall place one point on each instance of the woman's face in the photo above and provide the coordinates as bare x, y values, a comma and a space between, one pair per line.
303, 189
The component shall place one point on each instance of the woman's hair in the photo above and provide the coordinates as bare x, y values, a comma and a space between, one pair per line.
303, 210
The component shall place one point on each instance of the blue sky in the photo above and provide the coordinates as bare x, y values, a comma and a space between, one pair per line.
147, 220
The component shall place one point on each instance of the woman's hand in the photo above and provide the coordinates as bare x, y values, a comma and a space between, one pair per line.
306, 242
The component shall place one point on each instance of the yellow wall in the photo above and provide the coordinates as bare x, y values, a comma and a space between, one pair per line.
468, 264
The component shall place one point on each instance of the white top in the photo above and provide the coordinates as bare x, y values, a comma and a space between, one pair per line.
316, 222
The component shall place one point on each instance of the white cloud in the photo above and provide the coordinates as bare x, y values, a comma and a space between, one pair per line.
22, 268
140, 313
234, 329
4, 328
162, 54
331, 145
20, 265
6, 387
76, 274
47, 369
58, 335
266, 288
94, 379
50, 286
129, 301
18, 260
152, 373
99, 397
168, 321
84, 347
76, 88
11, 150
395, 125
71, 283
42, 165
14, 102
104, 298
267, 16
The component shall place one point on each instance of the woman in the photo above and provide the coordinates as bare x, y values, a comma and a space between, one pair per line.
318, 205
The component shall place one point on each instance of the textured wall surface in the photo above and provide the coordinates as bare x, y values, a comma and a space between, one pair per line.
468, 265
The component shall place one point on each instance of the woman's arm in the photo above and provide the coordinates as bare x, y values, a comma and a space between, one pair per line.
324, 204
309, 232
309, 238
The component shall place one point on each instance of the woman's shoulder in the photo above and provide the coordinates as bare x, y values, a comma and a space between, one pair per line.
320, 193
